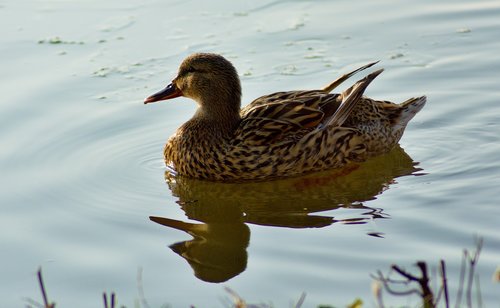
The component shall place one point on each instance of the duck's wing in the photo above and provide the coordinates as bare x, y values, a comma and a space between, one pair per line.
282, 116
280, 97
287, 116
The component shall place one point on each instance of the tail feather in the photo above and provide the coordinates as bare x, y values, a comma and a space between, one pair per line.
409, 109
350, 98
329, 88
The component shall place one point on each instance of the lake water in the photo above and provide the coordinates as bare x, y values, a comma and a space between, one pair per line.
81, 156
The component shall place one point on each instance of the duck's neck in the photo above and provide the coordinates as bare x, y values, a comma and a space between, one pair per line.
215, 120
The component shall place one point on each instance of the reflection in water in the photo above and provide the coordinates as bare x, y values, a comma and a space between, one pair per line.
217, 251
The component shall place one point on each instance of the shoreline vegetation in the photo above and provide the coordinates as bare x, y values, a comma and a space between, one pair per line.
398, 282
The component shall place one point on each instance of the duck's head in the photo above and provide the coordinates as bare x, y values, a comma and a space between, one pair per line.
209, 79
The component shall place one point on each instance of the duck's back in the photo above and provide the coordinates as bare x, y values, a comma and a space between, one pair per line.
291, 115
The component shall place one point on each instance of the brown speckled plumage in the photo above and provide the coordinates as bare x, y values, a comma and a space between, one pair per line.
278, 135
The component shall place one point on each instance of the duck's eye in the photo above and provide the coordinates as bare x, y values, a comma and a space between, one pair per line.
190, 70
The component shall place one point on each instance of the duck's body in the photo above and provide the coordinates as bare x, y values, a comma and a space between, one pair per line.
278, 135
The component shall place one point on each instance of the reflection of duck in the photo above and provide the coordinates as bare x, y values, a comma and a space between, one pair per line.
218, 250
278, 135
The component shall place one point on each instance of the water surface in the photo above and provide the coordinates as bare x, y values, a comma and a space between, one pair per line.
81, 158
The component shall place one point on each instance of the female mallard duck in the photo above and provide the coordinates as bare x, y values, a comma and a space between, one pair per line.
277, 135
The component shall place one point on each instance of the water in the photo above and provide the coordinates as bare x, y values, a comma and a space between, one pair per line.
81, 158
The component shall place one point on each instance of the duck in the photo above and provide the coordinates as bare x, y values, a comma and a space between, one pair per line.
279, 135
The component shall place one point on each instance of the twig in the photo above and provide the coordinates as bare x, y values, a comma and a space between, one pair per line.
385, 281
478, 290
380, 277
44, 293
140, 288
458, 301
301, 300
404, 273
113, 300
377, 293
428, 296
468, 278
472, 267
444, 282
425, 291
32, 302
238, 301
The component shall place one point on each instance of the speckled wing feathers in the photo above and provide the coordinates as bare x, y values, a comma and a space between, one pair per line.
288, 116
285, 116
